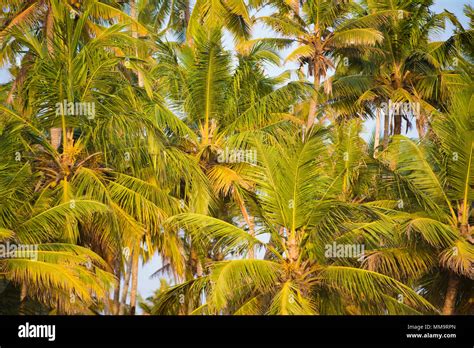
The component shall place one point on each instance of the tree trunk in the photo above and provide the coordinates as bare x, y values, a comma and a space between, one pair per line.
55, 137
296, 6
134, 15
397, 129
420, 122
23, 294
386, 129
377, 132
126, 282
293, 247
252, 233
313, 106
451, 294
420, 129
133, 292
187, 13
249, 221
55, 132
116, 300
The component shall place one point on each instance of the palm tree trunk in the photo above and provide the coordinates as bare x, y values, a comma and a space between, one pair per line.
451, 294
55, 137
296, 6
397, 129
116, 301
293, 250
187, 17
420, 124
126, 282
377, 131
55, 132
386, 129
134, 15
249, 221
133, 291
187, 13
313, 106
49, 28
23, 294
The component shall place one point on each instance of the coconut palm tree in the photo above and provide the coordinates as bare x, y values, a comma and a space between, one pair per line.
37, 19
236, 102
444, 193
62, 275
124, 173
301, 215
323, 31
406, 75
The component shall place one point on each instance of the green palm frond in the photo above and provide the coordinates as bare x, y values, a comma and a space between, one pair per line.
208, 229
229, 278
459, 258
371, 286
432, 231
412, 162
290, 301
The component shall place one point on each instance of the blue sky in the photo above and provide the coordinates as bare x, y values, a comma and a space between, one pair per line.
147, 285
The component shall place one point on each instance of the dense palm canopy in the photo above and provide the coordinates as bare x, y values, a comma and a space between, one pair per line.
133, 129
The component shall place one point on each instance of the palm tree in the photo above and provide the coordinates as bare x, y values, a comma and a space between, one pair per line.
223, 105
323, 31
64, 276
36, 19
130, 183
444, 195
301, 214
406, 76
